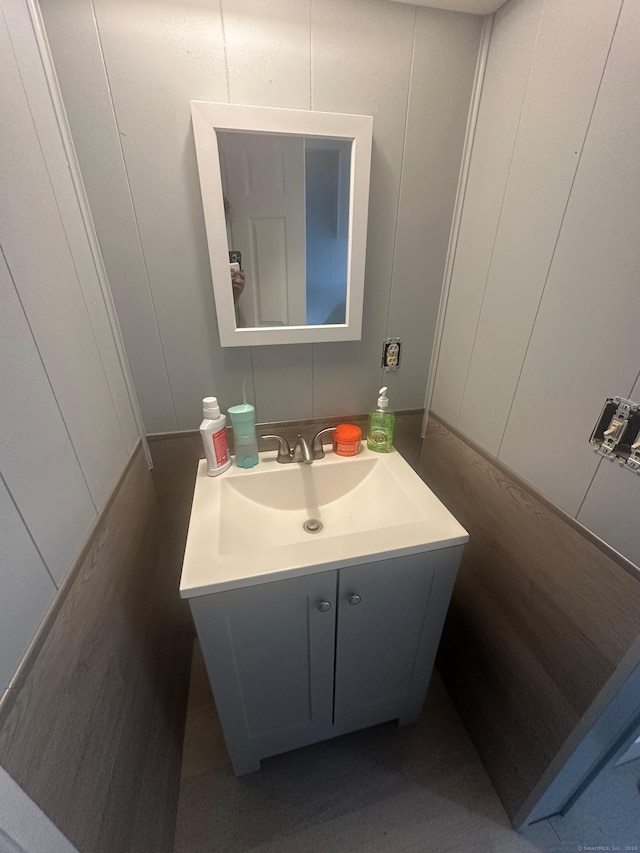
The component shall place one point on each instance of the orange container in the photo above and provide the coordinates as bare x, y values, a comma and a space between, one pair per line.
346, 439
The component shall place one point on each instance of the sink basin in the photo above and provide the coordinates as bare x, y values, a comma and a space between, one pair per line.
273, 521
275, 504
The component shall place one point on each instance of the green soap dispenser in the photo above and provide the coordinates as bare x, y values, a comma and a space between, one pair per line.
381, 420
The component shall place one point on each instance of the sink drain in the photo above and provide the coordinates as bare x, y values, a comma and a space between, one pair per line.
312, 525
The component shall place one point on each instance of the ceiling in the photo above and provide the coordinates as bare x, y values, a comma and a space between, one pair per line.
473, 7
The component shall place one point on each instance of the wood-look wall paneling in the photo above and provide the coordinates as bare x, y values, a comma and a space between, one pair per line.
345, 56
37, 459
585, 344
444, 61
567, 65
36, 248
93, 730
540, 616
512, 46
82, 78
27, 588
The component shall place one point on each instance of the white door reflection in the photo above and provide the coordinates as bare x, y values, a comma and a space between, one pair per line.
287, 214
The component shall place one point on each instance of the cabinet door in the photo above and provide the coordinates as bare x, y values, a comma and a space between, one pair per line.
387, 641
269, 653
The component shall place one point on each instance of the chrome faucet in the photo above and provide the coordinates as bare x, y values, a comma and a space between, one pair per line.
301, 450
302, 446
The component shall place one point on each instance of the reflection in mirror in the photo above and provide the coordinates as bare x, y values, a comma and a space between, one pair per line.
285, 203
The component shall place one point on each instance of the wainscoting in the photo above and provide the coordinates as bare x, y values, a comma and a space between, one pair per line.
92, 728
541, 615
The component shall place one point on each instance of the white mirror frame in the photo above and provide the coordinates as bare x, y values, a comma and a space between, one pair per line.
207, 119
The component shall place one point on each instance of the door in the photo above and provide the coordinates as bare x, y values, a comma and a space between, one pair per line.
269, 653
264, 179
605, 731
390, 617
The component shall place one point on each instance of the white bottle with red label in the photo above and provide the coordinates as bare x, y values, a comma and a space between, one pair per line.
213, 430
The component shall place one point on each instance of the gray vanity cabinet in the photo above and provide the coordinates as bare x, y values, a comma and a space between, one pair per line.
387, 641
269, 655
299, 660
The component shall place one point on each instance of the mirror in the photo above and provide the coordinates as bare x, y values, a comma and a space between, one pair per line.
285, 196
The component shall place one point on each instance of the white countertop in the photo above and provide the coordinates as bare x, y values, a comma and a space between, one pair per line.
234, 542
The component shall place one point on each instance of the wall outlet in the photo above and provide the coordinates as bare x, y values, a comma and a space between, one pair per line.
391, 349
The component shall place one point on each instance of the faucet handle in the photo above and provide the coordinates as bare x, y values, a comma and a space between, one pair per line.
285, 453
316, 445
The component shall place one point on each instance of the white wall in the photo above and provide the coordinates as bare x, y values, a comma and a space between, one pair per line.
543, 315
127, 84
67, 425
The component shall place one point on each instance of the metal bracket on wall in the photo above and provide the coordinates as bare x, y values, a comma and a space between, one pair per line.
616, 434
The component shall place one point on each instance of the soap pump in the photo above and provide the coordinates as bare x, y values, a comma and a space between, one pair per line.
381, 421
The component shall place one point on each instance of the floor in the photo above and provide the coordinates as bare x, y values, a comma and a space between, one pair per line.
379, 789
419, 788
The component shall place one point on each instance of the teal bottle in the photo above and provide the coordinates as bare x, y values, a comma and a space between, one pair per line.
381, 421
245, 444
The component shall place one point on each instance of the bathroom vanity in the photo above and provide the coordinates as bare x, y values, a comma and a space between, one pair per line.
327, 632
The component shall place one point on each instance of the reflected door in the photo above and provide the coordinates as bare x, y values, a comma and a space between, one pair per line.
263, 178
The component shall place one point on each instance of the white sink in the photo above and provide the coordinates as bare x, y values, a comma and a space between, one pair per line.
344, 498
248, 525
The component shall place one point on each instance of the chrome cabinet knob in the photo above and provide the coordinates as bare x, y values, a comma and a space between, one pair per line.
323, 606
354, 599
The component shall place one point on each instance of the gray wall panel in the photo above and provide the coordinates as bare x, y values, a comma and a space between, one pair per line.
541, 323
83, 79
37, 458
511, 49
369, 74
36, 247
571, 50
27, 588
67, 422
159, 56
585, 344
442, 73
338, 56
